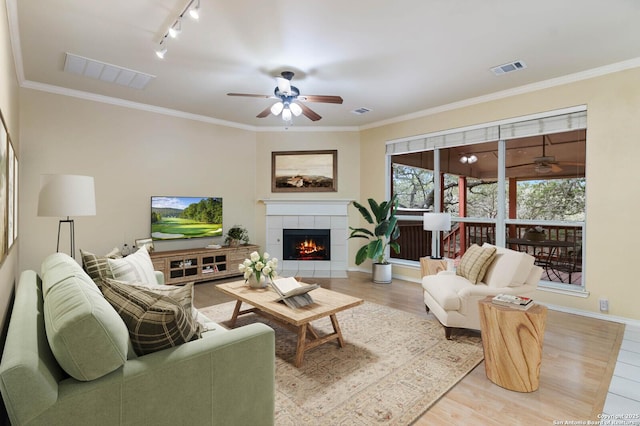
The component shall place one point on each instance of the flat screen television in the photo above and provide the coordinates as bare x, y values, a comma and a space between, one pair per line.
175, 218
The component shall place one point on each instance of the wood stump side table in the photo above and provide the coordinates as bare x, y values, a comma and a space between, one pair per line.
430, 266
512, 342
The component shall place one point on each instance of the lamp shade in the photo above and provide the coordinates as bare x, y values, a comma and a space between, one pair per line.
437, 221
66, 195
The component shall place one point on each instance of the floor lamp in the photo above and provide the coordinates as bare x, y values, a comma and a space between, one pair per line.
437, 222
65, 196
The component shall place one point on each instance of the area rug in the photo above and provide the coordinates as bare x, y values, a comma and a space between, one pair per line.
393, 367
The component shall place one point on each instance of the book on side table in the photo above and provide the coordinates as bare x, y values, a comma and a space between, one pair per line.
518, 302
292, 293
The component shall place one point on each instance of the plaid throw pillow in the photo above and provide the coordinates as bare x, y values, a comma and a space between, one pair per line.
96, 266
157, 319
475, 262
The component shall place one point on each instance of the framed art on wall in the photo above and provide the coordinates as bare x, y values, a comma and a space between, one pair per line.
4, 140
304, 171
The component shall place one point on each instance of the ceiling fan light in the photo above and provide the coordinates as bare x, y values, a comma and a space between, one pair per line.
284, 85
277, 108
543, 169
286, 114
295, 109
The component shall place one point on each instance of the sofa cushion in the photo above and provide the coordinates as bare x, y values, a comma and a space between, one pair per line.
475, 261
86, 335
96, 266
510, 268
136, 267
156, 318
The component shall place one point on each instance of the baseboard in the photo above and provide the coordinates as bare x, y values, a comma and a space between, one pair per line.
597, 315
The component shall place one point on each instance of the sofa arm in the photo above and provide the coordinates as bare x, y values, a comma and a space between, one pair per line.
228, 378
159, 277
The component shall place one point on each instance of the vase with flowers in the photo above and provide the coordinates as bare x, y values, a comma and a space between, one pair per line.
258, 268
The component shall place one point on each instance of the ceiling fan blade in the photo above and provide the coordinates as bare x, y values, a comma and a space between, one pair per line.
264, 113
309, 113
520, 165
328, 99
555, 168
250, 95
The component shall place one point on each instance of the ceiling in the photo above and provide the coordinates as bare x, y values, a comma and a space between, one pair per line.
394, 58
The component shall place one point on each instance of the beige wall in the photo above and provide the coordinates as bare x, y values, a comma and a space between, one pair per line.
9, 107
135, 154
613, 148
132, 155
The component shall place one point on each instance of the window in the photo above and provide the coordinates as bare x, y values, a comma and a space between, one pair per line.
525, 191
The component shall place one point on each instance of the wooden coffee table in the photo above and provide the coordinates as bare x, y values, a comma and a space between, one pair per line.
327, 304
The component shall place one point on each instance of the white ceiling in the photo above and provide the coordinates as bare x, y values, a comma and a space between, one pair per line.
394, 57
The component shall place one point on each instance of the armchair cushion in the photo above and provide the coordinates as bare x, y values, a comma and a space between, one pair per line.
156, 318
509, 269
444, 288
475, 261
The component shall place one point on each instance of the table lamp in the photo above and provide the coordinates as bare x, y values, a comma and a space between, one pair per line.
437, 222
66, 195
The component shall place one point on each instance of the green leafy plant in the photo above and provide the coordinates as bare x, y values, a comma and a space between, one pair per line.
237, 233
386, 230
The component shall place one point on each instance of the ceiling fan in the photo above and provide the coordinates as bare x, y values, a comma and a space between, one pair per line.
290, 100
546, 164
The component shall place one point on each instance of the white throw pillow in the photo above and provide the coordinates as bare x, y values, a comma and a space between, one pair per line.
510, 268
136, 267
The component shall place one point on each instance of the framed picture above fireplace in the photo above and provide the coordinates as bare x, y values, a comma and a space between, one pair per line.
304, 171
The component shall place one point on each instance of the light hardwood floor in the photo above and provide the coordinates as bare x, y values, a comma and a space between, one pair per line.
579, 357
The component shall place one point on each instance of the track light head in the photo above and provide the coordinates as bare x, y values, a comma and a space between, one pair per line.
194, 12
175, 29
161, 51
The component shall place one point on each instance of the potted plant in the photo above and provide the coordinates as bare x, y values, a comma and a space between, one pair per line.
386, 230
236, 234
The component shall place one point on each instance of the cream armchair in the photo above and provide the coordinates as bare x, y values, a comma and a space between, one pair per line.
453, 299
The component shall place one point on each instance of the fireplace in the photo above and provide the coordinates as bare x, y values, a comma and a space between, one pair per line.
306, 244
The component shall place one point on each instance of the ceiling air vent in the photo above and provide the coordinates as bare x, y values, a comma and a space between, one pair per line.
361, 110
511, 66
106, 72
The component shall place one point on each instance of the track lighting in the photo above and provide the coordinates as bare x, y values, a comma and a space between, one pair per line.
161, 51
175, 29
195, 11
193, 7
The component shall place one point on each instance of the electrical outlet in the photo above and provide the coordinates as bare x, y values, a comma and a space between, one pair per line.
604, 305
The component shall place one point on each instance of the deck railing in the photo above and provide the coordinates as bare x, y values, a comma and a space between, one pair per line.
415, 243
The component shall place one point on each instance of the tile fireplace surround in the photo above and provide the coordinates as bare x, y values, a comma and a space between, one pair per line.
309, 214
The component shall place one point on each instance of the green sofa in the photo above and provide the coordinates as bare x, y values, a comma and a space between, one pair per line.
224, 378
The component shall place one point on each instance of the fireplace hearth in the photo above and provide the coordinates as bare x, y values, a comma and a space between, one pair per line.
306, 244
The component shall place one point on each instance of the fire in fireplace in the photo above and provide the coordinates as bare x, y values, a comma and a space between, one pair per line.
306, 244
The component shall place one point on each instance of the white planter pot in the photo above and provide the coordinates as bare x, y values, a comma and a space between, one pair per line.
382, 273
